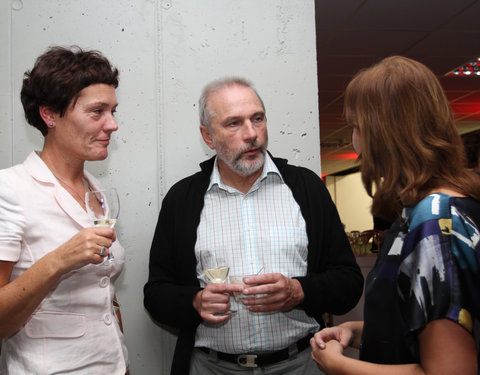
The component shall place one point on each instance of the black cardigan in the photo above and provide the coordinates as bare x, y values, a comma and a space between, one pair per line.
333, 282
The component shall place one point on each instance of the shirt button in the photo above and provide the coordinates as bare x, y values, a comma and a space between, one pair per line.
104, 282
107, 318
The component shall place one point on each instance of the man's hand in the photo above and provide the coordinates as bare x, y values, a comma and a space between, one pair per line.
213, 302
277, 292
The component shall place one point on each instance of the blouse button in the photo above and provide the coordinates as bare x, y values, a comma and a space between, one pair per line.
104, 282
107, 318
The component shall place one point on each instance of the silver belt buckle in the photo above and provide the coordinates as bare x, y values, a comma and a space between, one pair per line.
247, 360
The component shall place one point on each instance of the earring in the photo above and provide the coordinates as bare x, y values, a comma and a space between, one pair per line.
50, 124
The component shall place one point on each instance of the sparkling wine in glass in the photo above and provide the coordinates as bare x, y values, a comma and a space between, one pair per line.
103, 207
215, 269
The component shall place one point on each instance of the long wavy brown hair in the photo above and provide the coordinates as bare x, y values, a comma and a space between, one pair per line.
408, 138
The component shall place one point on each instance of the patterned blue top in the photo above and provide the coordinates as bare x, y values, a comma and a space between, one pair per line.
428, 269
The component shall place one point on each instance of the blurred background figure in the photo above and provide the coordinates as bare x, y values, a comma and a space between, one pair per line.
472, 149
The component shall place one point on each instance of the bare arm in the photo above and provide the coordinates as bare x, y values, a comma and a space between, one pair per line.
445, 348
20, 297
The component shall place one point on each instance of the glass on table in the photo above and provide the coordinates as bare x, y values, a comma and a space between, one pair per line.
378, 237
353, 237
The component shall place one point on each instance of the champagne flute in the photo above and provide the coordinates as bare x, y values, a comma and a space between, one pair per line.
103, 208
215, 269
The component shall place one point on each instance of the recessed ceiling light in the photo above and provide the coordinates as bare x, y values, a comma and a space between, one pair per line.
469, 69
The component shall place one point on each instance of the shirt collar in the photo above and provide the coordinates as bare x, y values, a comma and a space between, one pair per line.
269, 170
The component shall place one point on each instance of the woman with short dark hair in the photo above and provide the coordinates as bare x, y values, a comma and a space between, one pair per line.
56, 303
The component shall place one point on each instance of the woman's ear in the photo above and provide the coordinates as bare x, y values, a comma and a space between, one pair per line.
47, 115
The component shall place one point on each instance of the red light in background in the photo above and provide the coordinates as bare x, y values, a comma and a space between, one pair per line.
344, 156
465, 108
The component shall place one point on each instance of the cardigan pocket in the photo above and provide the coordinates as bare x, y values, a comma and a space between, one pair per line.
53, 324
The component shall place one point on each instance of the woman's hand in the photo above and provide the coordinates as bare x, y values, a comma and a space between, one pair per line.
325, 357
343, 335
446, 348
20, 297
84, 248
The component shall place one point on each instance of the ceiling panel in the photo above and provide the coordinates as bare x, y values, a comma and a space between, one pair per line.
351, 35
405, 14
371, 42
449, 43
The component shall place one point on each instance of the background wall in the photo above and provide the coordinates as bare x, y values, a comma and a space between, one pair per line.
352, 201
166, 52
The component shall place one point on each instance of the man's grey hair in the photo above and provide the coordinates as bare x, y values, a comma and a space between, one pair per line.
205, 113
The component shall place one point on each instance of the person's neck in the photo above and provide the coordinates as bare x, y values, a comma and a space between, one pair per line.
447, 191
64, 168
235, 180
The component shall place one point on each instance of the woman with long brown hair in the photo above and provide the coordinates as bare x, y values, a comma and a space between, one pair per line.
422, 302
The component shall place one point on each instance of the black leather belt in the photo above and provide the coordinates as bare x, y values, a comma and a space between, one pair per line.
261, 359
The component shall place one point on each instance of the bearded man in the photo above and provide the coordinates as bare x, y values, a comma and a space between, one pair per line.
270, 222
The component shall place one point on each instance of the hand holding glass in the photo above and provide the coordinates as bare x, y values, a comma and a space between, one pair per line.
214, 268
103, 207
235, 279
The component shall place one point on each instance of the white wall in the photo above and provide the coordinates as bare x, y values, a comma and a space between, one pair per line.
352, 201
166, 52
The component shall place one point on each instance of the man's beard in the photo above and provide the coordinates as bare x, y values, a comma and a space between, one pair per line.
242, 166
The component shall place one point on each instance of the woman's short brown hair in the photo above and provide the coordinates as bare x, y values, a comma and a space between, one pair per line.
58, 76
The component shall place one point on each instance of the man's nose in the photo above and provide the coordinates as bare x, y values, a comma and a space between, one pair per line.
249, 131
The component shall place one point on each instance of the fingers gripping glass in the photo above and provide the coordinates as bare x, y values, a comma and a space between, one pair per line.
103, 208
214, 268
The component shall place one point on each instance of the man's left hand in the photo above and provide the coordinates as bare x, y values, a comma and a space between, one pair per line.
276, 292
